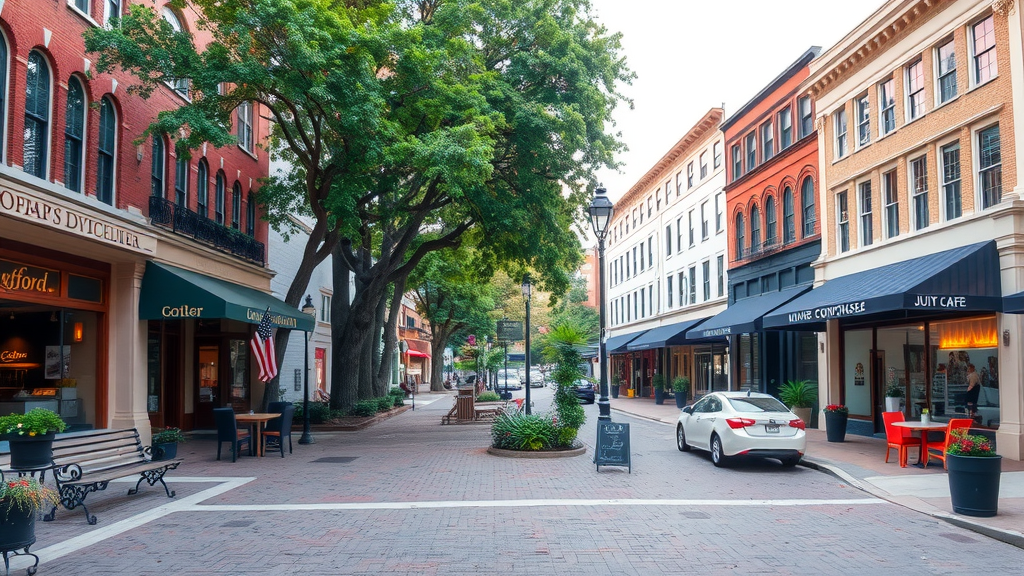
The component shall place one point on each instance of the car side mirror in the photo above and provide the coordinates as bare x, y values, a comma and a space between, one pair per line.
688, 409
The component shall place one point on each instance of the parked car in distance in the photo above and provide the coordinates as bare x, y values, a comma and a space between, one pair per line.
508, 379
584, 390
741, 423
536, 379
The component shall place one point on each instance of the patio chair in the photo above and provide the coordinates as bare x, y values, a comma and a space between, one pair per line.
279, 428
227, 431
277, 407
902, 439
940, 451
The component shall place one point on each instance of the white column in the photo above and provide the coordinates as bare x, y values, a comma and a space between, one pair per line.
126, 391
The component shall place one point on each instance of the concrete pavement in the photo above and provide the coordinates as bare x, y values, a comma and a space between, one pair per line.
860, 461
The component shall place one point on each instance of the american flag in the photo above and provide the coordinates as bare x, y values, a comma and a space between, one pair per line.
263, 347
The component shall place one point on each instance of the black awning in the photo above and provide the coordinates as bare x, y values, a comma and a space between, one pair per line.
617, 344
744, 315
1014, 303
671, 335
963, 279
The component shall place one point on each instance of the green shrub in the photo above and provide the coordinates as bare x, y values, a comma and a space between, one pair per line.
567, 436
364, 408
488, 396
319, 412
385, 403
396, 391
398, 400
520, 431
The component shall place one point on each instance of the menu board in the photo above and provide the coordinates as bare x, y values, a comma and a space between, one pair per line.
612, 445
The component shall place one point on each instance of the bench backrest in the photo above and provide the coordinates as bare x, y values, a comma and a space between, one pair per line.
94, 450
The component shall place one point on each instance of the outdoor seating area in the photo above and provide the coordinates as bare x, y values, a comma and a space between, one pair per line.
256, 430
901, 435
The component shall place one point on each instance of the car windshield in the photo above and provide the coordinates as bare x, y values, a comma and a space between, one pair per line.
752, 404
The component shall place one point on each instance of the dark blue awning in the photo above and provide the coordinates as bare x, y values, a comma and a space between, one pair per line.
671, 335
617, 344
963, 279
1014, 303
745, 315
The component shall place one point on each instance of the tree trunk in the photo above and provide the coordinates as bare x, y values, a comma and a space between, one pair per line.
438, 343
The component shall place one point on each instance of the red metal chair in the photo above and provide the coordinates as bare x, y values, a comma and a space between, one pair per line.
940, 452
899, 438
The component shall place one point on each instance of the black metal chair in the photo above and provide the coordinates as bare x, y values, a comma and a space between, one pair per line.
279, 428
277, 407
227, 431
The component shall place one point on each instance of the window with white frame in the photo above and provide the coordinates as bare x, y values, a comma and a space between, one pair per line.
839, 123
643, 303
112, 9
950, 156
740, 236
767, 141
693, 284
785, 128
689, 175
74, 135
716, 152
668, 191
641, 213
325, 307
643, 262
886, 107
679, 183
106, 160
737, 162
705, 269
919, 191
891, 198
866, 215
705, 226
218, 197
37, 115
721, 275
657, 200
718, 212
668, 289
983, 51
681, 286
157, 168
245, 120
751, 151
946, 58
179, 85
692, 236
770, 225
202, 189
650, 206
668, 240
181, 182
679, 234
650, 299
703, 164
788, 216
650, 252
755, 230
863, 120
990, 167
915, 90
843, 218
807, 206
806, 111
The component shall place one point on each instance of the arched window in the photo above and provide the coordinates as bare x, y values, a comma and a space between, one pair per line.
250, 215
37, 114
181, 182
107, 147
807, 202
179, 85
788, 219
74, 133
236, 204
157, 179
755, 230
769, 221
202, 189
740, 236
218, 201
3, 92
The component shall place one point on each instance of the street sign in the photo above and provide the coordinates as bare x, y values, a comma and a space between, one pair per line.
510, 330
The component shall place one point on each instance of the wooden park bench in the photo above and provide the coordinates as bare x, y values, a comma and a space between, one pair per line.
85, 462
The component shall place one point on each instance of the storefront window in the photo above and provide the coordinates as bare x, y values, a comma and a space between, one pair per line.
750, 360
857, 345
901, 352
239, 363
967, 352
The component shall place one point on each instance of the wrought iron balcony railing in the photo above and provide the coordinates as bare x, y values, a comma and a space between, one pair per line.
163, 212
770, 246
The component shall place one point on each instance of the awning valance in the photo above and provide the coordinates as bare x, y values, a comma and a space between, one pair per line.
617, 344
963, 279
744, 315
671, 335
172, 293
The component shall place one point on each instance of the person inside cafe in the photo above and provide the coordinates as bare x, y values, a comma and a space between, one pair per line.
973, 390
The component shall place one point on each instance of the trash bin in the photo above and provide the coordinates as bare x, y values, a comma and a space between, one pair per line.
464, 404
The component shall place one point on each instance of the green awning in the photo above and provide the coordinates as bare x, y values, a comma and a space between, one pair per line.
171, 293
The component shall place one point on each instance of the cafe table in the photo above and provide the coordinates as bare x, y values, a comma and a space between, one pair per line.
257, 421
924, 429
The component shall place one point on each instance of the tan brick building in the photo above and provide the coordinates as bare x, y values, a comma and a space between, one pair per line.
922, 221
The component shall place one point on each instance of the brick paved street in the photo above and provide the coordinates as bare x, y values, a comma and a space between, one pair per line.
421, 498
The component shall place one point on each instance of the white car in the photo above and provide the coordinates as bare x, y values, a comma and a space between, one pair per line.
508, 379
536, 379
748, 423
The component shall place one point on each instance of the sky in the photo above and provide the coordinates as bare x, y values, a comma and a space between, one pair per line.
693, 55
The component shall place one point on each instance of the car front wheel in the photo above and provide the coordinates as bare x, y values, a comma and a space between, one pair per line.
681, 439
717, 456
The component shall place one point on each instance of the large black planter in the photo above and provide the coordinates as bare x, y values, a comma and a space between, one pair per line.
17, 533
659, 396
614, 389
974, 484
680, 400
835, 426
165, 451
31, 451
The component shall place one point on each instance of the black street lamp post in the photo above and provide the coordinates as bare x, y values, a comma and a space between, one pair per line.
307, 438
527, 291
600, 211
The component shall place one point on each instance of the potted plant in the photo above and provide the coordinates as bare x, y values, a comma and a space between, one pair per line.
926, 416
20, 500
616, 383
165, 443
835, 422
974, 469
30, 436
799, 396
893, 396
681, 385
658, 383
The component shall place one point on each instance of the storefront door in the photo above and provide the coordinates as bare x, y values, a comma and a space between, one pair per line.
208, 383
703, 369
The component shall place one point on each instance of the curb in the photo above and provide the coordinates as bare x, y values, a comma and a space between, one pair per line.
536, 454
354, 427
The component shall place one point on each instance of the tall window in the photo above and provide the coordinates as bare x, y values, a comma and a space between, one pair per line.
755, 230
689, 175
721, 275
716, 151
990, 167
679, 183
668, 191
769, 221
892, 204
947, 72
785, 128
681, 283
37, 114
236, 205
203, 189
751, 151
705, 269
668, 240
806, 116
788, 216
82, 5
839, 119
915, 90
983, 35
807, 206
250, 215
740, 236
737, 162
179, 85
703, 164
650, 252
218, 200
767, 141
693, 284
156, 182
74, 132
718, 212
919, 191
113, 9
887, 107
693, 239
842, 207
245, 125
863, 121
668, 289
679, 234
864, 199
181, 182
106, 147
951, 180
643, 303
705, 226
3, 92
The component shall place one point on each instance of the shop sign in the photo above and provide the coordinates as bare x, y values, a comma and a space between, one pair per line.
12, 356
256, 316
64, 218
725, 331
16, 277
937, 302
826, 312
184, 311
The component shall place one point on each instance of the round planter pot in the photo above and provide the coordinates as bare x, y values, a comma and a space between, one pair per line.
31, 451
892, 404
17, 528
659, 396
835, 426
974, 484
165, 451
615, 391
680, 400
